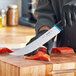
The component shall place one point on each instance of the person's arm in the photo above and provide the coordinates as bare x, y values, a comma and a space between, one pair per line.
46, 15
69, 13
46, 19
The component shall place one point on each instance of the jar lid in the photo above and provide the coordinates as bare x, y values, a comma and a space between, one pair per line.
0, 17
12, 6
3, 11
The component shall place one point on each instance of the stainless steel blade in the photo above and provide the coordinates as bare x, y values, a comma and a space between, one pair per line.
38, 42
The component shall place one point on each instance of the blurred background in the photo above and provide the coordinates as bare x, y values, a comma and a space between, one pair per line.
26, 8
17, 22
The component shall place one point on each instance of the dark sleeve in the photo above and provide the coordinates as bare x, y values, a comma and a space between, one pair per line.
46, 15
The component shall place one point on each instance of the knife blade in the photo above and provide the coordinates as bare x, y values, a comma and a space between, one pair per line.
56, 29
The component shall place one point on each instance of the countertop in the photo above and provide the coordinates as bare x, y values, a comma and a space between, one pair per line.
16, 36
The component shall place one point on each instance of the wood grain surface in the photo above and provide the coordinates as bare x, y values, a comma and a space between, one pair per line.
14, 36
60, 65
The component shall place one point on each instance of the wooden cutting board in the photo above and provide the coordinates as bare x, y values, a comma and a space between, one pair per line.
16, 36
60, 65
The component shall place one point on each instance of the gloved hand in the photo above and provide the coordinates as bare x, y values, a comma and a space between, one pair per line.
69, 13
48, 45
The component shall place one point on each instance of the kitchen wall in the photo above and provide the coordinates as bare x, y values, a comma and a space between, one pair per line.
4, 4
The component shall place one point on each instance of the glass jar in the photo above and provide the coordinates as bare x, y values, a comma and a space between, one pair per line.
12, 15
3, 14
1, 21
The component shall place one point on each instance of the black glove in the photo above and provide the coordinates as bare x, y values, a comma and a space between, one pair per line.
69, 13
48, 45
